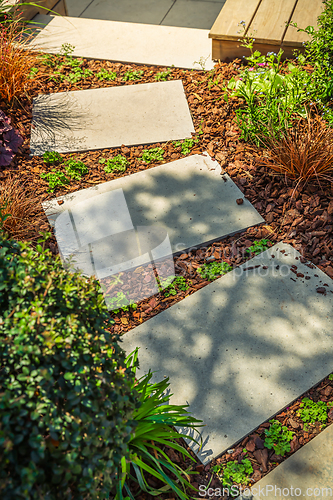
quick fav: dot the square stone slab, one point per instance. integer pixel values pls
(240, 349)
(148, 215)
(109, 117)
(306, 474)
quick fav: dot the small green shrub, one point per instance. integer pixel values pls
(163, 75)
(66, 399)
(312, 412)
(55, 179)
(278, 438)
(76, 169)
(212, 270)
(156, 420)
(154, 154)
(234, 472)
(118, 163)
(258, 246)
(50, 157)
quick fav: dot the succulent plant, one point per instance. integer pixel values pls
(10, 140)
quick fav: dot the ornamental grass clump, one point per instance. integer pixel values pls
(16, 62)
(20, 209)
(303, 154)
(67, 398)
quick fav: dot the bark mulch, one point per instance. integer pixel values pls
(302, 218)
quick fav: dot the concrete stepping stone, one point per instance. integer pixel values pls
(148, 215)
(307, 473)
(109, 117)
(243, 347)
(125, 42)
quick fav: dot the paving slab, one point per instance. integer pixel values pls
(109, 117)
(125, 42)
(242, 348)
(193, 14)
(307, 473)
(148, 215)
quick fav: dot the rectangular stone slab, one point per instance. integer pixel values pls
(243, 347)
(109, 117)
(186, 202)
(309, 472)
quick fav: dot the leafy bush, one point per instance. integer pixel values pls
(258, 246)
(55, 179)
(186, 145)
(76, 169)
(278, 437)
(153, 154)
(51, 157)
(120, 302)
(10, 140)
(66, 396)
(118, 163)
(171, 284)
(156, 419)
(132, 75)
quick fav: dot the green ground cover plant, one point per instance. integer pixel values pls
(171, 285)
(156, 420)
(311, 412)
(121, 302)
(154, 154)
(51, 157)
(212, 270)
(76, 169)
(258, 246)
(55, 178)
(67, 398)
(132, 75)
(163, 76)
(107, 75)
(186, 145)
(278, 438)
(118, 163)
(234, 472)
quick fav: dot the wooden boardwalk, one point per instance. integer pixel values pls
(267, 22)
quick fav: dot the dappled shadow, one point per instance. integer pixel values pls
(241, 348)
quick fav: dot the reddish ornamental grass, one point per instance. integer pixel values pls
(304, 154)
(16, 61)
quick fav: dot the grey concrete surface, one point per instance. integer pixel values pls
(193, 14)
(109, 117)
(308, 473)
(125, 42)
(150, 214)
(243, 347)
(150, 11)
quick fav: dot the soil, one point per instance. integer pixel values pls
(300, 217)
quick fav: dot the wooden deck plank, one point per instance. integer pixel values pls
(226, 26)
(305, 14)
(269, 23)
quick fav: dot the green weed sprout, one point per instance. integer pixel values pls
(120, 303)
(186, 145)
(278, 438)
(171, 284)
(212, 270)
(118, 163)
(155, 154)
(258, 246)
(75, 169)
(312, 412)
(163, 75)
(132, 75)
(104, 74)
(55, 179)
(52, 157)
(234, 472)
